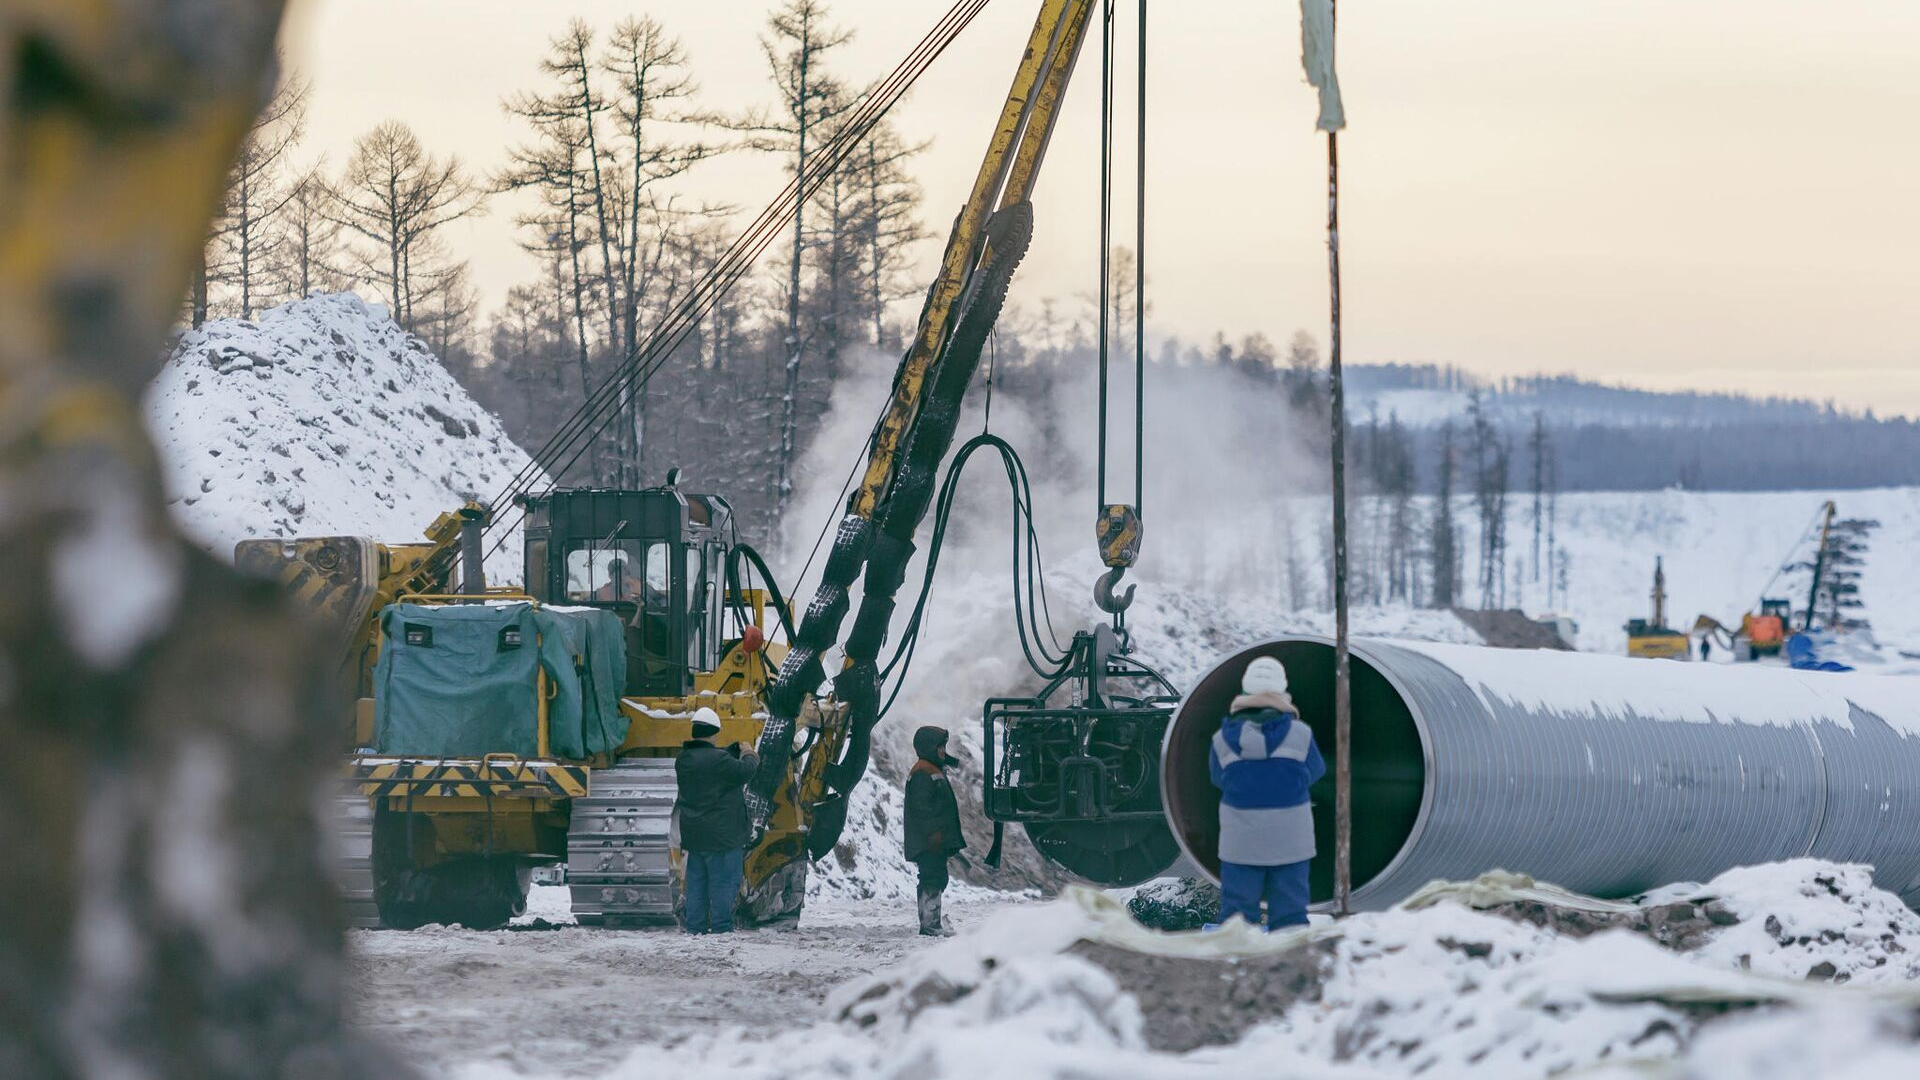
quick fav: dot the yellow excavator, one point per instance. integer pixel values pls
(487, 739)
(477, 750)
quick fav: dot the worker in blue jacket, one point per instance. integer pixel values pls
(1263, 760)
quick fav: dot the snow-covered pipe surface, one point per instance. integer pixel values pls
(1603, 774)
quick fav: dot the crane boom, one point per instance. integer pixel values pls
(877, 534)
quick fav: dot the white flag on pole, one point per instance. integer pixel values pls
(1316, 55)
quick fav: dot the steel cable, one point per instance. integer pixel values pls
(576, 435)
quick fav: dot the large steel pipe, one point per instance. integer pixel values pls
(1604, 774)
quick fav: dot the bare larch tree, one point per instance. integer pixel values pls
(393, 196)
(797, 45)
(245, 245)
(308, 240)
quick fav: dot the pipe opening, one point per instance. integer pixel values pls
(1389, 763)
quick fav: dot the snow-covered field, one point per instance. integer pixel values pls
(576, 1002)
(1719, 549)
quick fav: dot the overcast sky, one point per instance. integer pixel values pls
(1721, 194)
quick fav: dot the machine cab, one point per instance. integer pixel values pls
(657, 558)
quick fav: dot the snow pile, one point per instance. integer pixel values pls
(1807, 919)
(1826, 1042)
(321, 417)
(1076, 988)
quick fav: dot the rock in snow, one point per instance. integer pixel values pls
(321, 417)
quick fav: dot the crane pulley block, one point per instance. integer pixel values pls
(1118, 533)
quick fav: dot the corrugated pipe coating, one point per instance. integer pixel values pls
(1603, 774)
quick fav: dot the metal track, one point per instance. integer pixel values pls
(618, 865)
(353, 849)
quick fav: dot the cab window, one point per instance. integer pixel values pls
(605, 572)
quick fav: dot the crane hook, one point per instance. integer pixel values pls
(1103, 592)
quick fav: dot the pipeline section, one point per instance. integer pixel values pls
(1606, 775)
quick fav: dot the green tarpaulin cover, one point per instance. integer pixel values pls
(585, 650)
(459, 680)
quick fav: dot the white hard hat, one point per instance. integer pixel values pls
(1264, 675)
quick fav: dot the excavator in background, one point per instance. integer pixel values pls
(1765, 628)
(1762, 632)
(1652, 638)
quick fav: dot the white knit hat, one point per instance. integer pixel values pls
(1264, 676)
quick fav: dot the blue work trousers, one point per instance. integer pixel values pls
(1284, 888)
(713, 883)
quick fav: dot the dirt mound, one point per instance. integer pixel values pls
(1187, 1004)
(1511, 629)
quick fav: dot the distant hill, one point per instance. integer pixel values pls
(1425, 395)
(1614, 438)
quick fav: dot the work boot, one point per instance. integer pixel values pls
(930, 922)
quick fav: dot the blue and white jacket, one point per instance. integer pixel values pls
(1263, 760)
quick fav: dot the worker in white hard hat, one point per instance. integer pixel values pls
(1263, 760)
(714, 828)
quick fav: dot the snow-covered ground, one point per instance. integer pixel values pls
(1498, 978)
(575, 1002)
(321, 417)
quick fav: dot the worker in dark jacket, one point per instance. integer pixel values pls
(1263, 759)
(933, 823)
(711, 812)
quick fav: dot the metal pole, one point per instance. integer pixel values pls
(1342, 683)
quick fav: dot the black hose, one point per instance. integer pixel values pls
(1048, 664)
(642, 360)
(780, 608)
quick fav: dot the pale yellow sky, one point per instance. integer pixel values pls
(1721, 194)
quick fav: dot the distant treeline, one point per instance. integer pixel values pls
(1615, 438)
(1820, 453)
(1599, 437)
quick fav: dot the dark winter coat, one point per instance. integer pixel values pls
(932, 825)
(712, 802)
